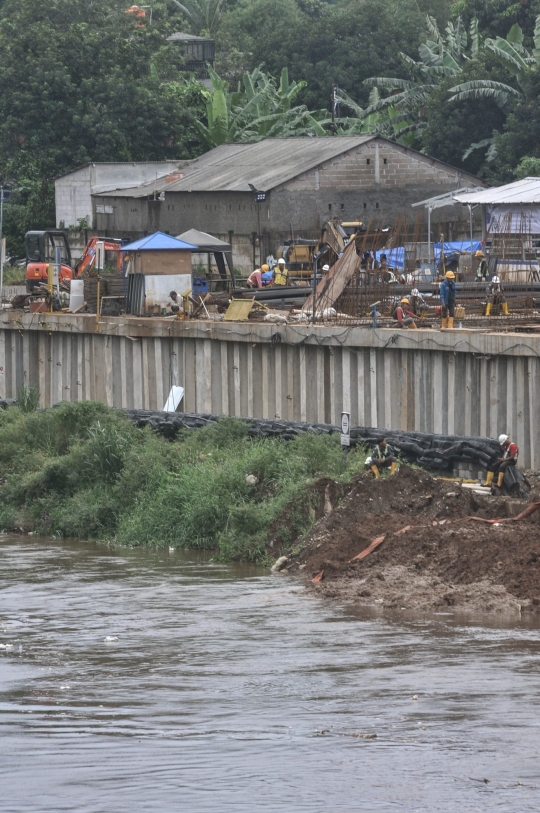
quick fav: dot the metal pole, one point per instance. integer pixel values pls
(314, 287)
(429, 234)
(259, 225)
(471, 231)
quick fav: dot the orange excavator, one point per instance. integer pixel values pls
(40, 253)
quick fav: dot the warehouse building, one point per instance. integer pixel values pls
(257, 195)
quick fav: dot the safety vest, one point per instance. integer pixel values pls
(280, 275)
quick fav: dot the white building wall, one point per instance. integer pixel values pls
(73, 191)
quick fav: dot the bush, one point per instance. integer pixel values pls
(84, 470)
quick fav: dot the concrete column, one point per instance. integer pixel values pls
(302, 350)
(373, 387)
(360, 368)
(236, 378)
(3, 392)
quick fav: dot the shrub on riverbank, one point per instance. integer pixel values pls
(85, 471)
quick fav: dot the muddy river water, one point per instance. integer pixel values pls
(156, 681)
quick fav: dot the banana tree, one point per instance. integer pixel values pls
(257, 109)
(398, 107)
(516, 59)
(520, 63)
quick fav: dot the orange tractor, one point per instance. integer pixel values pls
(40, 254)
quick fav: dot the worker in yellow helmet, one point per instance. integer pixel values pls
(281, 274)
(403, 314)
(447, 298)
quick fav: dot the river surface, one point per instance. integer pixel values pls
(226, 689)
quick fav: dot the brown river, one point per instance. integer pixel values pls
(141, 680)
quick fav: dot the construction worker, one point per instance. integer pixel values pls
(173, 303)
(404, 315)
(482, 269)
(447, 298)
(255, 280)
(417, 303)
(496, 296)
(508, 457)
(383, 457)
(281, 274)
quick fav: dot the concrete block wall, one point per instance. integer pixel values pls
(457, 383)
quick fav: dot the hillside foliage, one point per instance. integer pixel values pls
(83, 80)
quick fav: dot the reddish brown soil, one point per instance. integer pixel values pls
(446, 559)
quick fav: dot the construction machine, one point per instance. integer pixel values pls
(88, 259)
(40, 250)
(40, 253)
(335, 236)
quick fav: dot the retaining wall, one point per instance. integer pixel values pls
(456, 383)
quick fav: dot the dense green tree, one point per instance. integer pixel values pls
(345, 42)
(496, 17)
(519, 137)
(81, 80)
(451, 129)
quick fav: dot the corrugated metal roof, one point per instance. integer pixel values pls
(203, 240)
(446, 199)
(265, 164)
(159, 241)
(526, 191)
(181, 36)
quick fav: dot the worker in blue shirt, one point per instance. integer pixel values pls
(447, 298)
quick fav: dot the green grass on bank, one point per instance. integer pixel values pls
(85, 471)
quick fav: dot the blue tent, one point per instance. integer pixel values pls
(159, 242)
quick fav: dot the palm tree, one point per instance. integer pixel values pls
(204, 15)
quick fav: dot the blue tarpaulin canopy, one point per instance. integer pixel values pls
(463, 246)
(395, 257)
(159, 242)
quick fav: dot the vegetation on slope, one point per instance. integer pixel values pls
(85, 471)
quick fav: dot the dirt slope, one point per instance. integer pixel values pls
(445, 559)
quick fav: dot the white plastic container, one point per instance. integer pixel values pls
(76, 295)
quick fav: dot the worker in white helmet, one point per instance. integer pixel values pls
(326, 268)
(496, 296)
(417, 303)
(508, 457)
(281, 274)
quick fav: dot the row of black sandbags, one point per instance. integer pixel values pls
(437, 452)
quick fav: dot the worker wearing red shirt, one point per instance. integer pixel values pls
(509, 456)
(404, 315)
(255, 280)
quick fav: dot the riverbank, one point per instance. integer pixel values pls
(437, 552)
(86, 471)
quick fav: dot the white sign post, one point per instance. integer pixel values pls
(346, 431)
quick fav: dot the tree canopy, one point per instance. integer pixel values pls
(88, 80)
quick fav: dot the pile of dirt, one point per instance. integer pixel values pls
(436, 553)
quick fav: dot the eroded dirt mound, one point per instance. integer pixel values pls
(443, 558)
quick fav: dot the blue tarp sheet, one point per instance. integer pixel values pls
(158, 242)
(395, 256)
(457, 245)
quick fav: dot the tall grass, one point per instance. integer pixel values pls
(83, 470)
